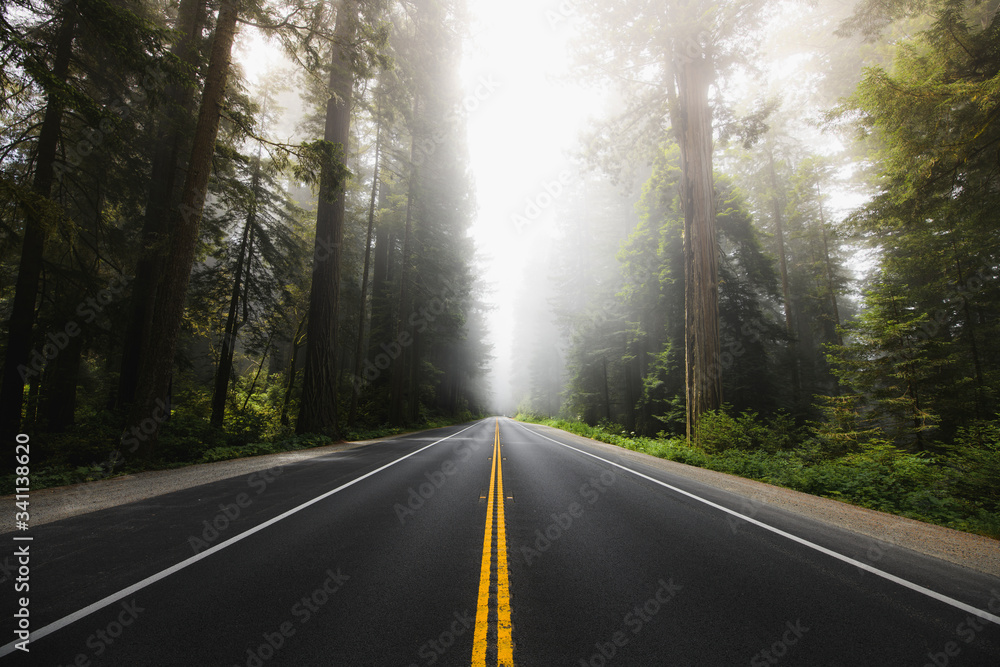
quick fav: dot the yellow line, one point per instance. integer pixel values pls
(505, 645)
(483, 606)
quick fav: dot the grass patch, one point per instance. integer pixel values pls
(957, 489)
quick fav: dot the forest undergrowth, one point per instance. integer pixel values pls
(953, 486)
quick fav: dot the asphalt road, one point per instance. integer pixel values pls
(391, 554)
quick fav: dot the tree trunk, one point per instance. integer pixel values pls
(413, 402)
(607, 396)
(174, 128)
(225, 367)
(630, 389)
(151, 407)
(829, 273)
(970, 327)
(383, 301)
(260, 367)
(359, 351)
(22, 314)
(779, 233)
(318, 410)
(31, 405)
(702, 373)
(396, 415)
(57, 400)
(296, 344)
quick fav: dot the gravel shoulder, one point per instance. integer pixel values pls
(972, 551)
(61, 502)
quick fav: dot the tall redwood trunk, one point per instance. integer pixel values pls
(22, 315)
(396, 414)
(779, 233)
(57, 398)
(831, 288)
(970, 330)
(703, 374)
(151, 407)
(318, 408)
(174, 127)
(359, 351)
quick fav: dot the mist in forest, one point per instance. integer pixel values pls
(381, 215)
(851, 274)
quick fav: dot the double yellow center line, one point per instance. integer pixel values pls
(505, 647)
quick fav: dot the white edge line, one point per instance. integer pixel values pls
(864, 566)
(152, 579)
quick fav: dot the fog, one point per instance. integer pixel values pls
(630, 211)
(550, 219)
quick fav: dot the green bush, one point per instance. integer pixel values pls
(292, 443)
(185, 437)
(958, 489)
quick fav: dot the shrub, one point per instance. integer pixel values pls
(958, 490)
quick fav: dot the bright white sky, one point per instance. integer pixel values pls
(520, 138)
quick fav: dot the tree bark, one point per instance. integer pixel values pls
(829, 273)
(22, 314)
(57, 398)
(607, 396)
(779, 233)
(292, 370)
(151, 407)
(174, 128)
(359, 351)
(413, 402)
(703, 375)
(318, 409)
(970, 326)
(396, 415)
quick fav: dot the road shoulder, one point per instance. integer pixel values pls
(975, 552)
(61, 502)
